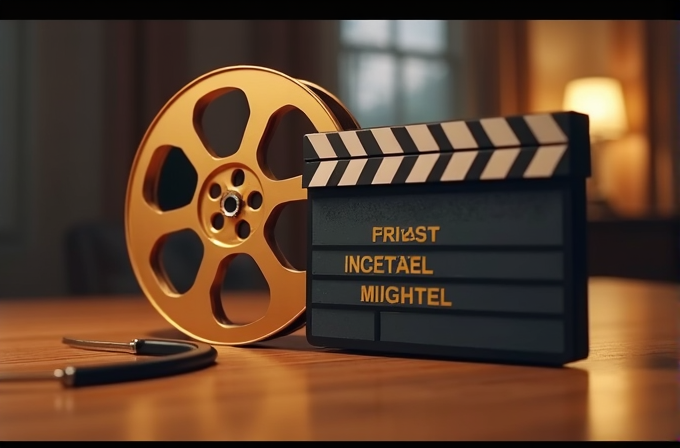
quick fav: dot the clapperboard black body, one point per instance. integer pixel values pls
(463, 239)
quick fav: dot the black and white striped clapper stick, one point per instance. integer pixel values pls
(535, 146)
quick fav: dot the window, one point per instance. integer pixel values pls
(399, 71)
(9, 123)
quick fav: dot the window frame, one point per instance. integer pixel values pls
(452, 56)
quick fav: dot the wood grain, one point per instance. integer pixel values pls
(288, 390)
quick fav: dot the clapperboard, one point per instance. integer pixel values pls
(463, 239)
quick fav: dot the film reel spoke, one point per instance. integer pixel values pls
(280, 192)
(255, 135)
(188, 140)
(284, 281)
(200, 298)
(270, 264)
(279, 276)
(165, 222)
(157, 224)
(208, 278)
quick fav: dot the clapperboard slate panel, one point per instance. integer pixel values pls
(463, 239)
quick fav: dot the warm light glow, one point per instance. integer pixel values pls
(602, 100)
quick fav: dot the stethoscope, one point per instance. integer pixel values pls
(169, 357)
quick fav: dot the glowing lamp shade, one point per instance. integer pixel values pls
(602, 100)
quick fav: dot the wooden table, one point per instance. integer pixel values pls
(286, 389)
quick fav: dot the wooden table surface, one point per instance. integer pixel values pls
(286, 389)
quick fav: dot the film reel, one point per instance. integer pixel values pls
(270, 95)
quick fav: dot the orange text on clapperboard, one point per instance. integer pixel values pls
(398, 264)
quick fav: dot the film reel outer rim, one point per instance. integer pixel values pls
(348, 122)
(298, 319)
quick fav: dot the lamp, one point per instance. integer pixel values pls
(600, 98)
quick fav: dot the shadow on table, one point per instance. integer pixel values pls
(296, 342)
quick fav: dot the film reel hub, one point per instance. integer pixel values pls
(227, 216)
(235, 205)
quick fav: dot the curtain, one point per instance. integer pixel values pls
(149, 61)
(497, 76)
(661, 51)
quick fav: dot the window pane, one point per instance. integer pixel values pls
(427, 95)
(421, 35)
(369, 90)
(373, 33)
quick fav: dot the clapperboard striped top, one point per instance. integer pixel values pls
(533, 146)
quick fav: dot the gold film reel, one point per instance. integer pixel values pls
(270, 95)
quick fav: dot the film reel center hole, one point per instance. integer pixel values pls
(238, 178)
(215, 191)
(243, 229)
(217, 221)
(255, 200)
(230, 204)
